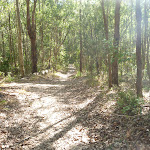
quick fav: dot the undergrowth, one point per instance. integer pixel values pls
(9, 78)
(92, 81)
(128, 103)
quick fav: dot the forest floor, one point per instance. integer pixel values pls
(64, 113)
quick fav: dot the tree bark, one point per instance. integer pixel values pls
(80, 39)
(105, 18)
(21, 60)
(3, 46)
(42, 34)
(32, 34)
(147, 58)
(145, 36)
(10, 41)
(116, 44)
(138, 50)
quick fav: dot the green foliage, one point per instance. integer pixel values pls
(1, 74)
(4, 66)
(128, 103)
(2, 102)
(78, 74)
(9, 78)
(15, 71)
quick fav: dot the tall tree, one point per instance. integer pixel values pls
(105, 18)
(3, 46)
(116, 44)
(146, 40)
(147, 58)
(10, 39)
(138, 50)
(21, 60)
(31, 27)
(80, 38)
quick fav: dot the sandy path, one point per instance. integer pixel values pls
(45, 114)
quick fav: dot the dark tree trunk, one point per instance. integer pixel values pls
(34, 55)
(3, 46)
(32, 34)
(116, 44)
(138, 50)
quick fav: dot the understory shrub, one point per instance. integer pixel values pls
(4, 66)
(92, 81)
(9, 78)
(128, 103)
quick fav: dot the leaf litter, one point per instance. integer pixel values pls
(66, 114)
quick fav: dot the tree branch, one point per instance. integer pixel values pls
(33, 13)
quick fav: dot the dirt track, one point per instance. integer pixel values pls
(62, 114)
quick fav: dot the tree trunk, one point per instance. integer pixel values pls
(10, 44)
(147, 58)
(138, 50)
(3, 46)
(33, 55)
(41, 34)
(32, 34)
(21, 61)
(80, 40)
(145, 36)
(116, 44)
(14, 53)
(105, 18)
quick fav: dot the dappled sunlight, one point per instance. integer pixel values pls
(75, 136)
(60, 114)
(74, 75)
(48, 101)
(43, 102)
(26, 85)
(84, 103)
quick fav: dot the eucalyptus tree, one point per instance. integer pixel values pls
(146, 38)
(116, 44)
(31, 27)
(105, 18)
(81, 47)
(21, 60)
(138, 49)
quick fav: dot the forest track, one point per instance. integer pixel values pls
(63, 113)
